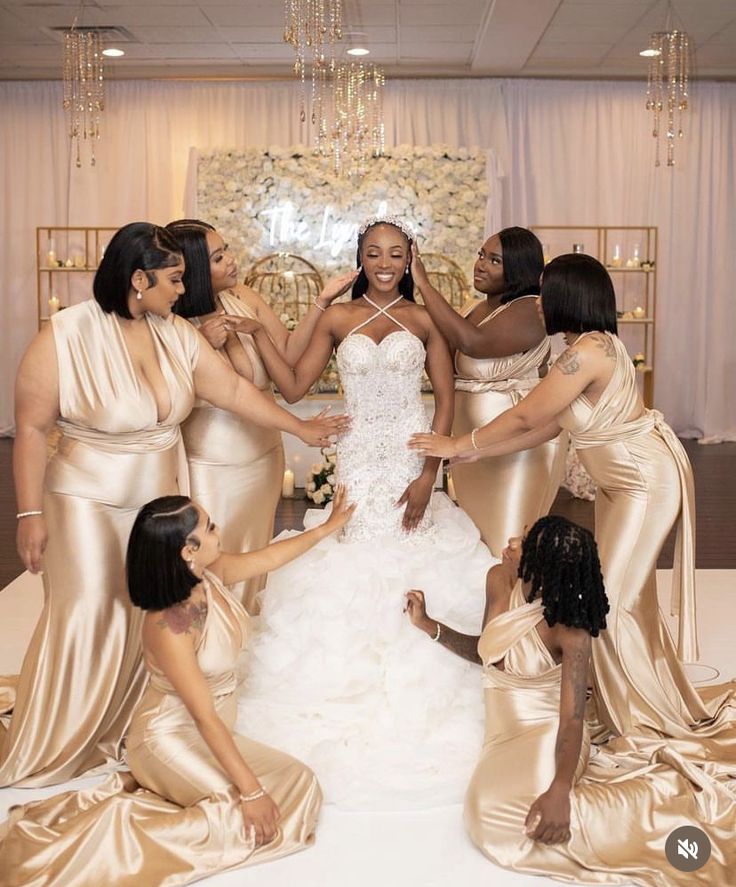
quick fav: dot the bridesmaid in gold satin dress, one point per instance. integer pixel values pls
(645, 487)
(199, 798)
(118, 374)
(539, 801)
(236, 467)
(501, 352)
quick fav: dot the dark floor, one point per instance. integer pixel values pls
(715, 494)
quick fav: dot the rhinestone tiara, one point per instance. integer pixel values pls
(397, 222)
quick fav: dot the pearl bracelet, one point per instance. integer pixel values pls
(317, 304)
(27, 514)
(437, 633)
(472, 439)
(254, 796)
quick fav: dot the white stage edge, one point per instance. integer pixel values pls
(412, 849)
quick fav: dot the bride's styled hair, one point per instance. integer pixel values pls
(406, 284)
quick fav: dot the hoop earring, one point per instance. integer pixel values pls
(139, 295)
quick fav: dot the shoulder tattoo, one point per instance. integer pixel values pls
(182, 617)
(568, 362)
(604, 342)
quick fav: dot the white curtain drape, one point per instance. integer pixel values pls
(570, 153)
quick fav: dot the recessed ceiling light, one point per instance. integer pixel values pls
(358, 50)
(113, 53)
(650, 53)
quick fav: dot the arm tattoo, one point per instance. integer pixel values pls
(568, 362)
(464, 645)
(603, 341)
(579, 675)
(181, 617)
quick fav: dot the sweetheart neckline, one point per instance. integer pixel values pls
(378, 344)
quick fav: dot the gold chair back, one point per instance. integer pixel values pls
(447, 277)
(289, 283)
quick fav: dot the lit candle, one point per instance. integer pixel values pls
(638, 312)
(53, 304)
(287, 487)
(50, 259)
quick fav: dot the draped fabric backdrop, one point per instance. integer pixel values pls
(567, 152)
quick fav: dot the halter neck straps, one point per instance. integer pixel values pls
(379, 312)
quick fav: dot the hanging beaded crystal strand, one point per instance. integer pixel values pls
(313, 27)
(667, 87)
(357, 132)
(84, 88)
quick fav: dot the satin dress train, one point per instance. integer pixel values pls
(503, 494)
(82, 673)
(236, 468)
(176, 817)
(628, 795)
(645, 487)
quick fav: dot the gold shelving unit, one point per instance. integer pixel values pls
(63, 256)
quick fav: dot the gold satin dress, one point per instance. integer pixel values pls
(236, 468)
(645, 487)
(82, 673)
(628, 795)
(503, 494)
(176, 817)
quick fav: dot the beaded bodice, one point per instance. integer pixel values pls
(382, 384)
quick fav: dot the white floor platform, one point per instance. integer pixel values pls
(418, 849)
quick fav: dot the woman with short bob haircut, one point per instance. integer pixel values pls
(236, 467)
(501, 351)
(541, 800)
(645, 487)
(117, 374)
(199, 798)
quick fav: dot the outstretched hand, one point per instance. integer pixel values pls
(430, 444)
(321, 431)
(246, 325)
(337, 287)
(342, 510)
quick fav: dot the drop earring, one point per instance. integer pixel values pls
(139, 295)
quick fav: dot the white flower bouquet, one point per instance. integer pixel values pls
(322, 482)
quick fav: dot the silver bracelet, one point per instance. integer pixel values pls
(438, 632)
(472, 439)
(317, 304)
(27, 514)
(254, 796)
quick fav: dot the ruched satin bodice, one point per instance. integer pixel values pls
(503, 494)
(383, 397)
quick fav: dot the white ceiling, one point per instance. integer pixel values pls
(411, 38)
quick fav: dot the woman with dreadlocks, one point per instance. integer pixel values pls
(539, 801)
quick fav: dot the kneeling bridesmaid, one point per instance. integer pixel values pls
(199, 798)
(541, 800)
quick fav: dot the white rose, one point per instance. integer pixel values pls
(326, 489)
(318, 498)
(332, 458)
(331, 480)
(311, 487)
(316, 467)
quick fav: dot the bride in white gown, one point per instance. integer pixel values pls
(337, 677)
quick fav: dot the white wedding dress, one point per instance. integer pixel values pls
(337, 674)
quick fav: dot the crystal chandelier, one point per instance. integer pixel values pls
(667, 87)
(346, 97)
(84, 88)
(357, 131)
